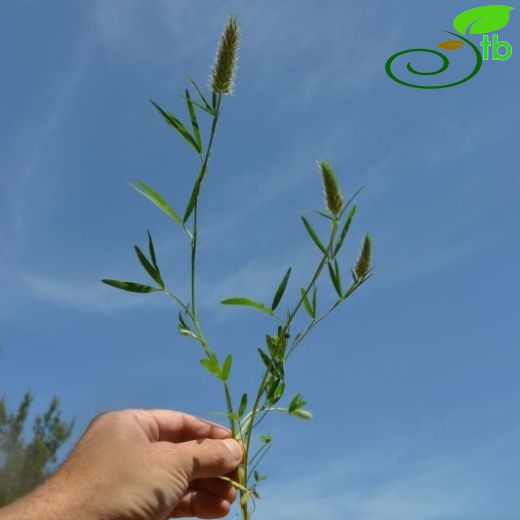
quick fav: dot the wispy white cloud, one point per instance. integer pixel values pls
(388, 486)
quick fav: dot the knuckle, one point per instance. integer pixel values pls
(100, 417)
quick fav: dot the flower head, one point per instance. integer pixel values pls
(224, 68)
(333, 196)
(363, 262)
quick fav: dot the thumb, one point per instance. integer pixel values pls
(206, 458)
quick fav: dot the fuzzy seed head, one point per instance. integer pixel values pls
(363, 262)
(224, 68)
(333, 196)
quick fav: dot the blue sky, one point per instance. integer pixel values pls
(414, 381)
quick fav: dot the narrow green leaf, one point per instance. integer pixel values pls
(151, 250)
(182, 323)
(296, 402)
(344, 230)
(321, 213)
(212, 365)
(192, 201)
(199, 92)
(276, 391)
(131, 286)
(281, 290)
(335, 282)
(306, 303)
(314, 235)
(302, 414)
(187, 332)
(248, 303)
(175, 123)
(150, 269)
(242, 406)
(337, 272)
(194, 122)
(147, 192)
(276, 368)
(314, 302)
(195, 193)
(226, 367)
(198, 105)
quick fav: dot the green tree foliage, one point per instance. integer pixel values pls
(23, 466)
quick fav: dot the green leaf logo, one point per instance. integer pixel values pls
(484, 19)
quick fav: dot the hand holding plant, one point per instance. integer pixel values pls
(246, 413)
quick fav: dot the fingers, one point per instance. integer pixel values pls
(216, 487)
(172, 426)
(206, 458)
(202, 505)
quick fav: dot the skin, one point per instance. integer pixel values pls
(139, 465)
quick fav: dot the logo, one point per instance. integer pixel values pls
(480, 20)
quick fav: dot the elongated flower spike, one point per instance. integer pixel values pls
(363, 262)
(333, 196)
(224, 68)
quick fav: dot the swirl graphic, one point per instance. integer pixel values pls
(445, 64)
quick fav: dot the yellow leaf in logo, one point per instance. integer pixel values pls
(451, 45)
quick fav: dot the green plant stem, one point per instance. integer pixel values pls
(194, 232)
(259, 393)
(194, 314)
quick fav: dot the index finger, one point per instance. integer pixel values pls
(174, 426)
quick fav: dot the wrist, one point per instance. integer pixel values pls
(49, 501)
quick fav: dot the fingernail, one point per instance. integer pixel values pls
(234, 448)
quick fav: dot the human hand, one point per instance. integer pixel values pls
(146, 465)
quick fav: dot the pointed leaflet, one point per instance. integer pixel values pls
(194, 193)
(197, 104)
(281, 290)
(175, 123)
(296, 402)
(199, 92)
(188, 333)
(152, 252)
(131, 286)
(242, 406)
(150, 269)
(344, 231)
(212, 365)
(274, 367)
(314, 235)
(147, 192)
(182, 323)
(314, 293)
(248, 303)
(302, 414)
(483, 19)
(307, 304)
(226, 367)
(194, 122)
(275, 390)
(334, 276)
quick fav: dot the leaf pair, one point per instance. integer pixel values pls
(296, 408)
(212, 364)
(310, 307)
(194, 140)
(274, 366)
(248, 302)
(150, 267)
